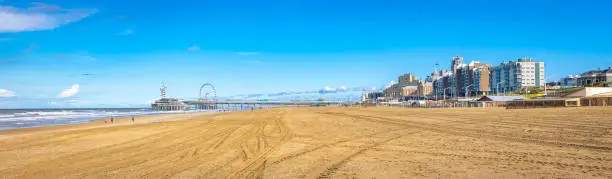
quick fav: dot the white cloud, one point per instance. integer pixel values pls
(69, 92)
(6, 93)
(327, 89)
(126, 32)
(38, 17)
(193, 48)
(391, 83)
(248, 53)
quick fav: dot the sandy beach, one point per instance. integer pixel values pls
(373, 142)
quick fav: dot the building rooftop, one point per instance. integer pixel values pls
(410, 87)
(501, 98)
(598, 71)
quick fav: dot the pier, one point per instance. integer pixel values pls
(250, 105)
(207, 101)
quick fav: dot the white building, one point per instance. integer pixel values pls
(590, 92)
(570, 81)
(444, 80)
(364, 97)
(513, 75)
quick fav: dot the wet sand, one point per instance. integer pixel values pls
(106, 122)
(323, 143)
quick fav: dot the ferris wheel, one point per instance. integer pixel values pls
(210, 94)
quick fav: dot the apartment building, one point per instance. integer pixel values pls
(396, 91)
(513, 75)
(465, 78)
(593, 77)
(455, 63)
(569, 81)
(441, 82)
(425, 89)
(480, 80)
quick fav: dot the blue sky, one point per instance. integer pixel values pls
(118, 52)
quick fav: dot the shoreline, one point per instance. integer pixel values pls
(85, 119)
(103, 122)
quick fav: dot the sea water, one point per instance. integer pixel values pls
(23, 118)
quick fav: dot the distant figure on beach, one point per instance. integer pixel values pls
(132, 118)
(112, 120)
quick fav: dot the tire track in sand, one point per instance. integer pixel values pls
(331, 170)
(544, 122)
(500, 159)
(237, 148)
(319, 147)
(91, 160)
(480, 133)
(256, 165)
(222, 146)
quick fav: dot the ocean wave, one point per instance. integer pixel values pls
(70, 115)
(34, 118)
(7, 116)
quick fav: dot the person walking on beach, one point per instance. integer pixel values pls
(132, 118)
(112, 120)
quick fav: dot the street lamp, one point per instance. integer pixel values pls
(497, 89)
(445, 93)
(436, 93)
(467, 90)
